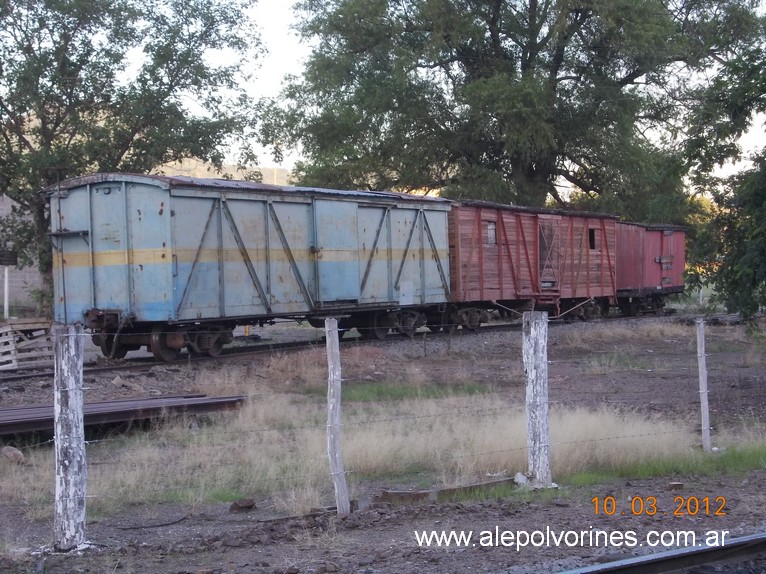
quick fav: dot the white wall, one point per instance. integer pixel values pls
(21, 281)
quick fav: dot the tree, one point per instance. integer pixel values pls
(734, 253)
(111, 85)
(739, 270)
(502, 99)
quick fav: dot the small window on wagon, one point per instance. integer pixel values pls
(593, 238)
(491, 238)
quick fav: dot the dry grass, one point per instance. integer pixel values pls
(754, 356)
(599, 335)
(747, 433)
(276, 449)
(303, 368)
(30, 485)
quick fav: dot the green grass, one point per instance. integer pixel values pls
(724, 347)
(615, 362)
(732, 461)
(226, 495)
(385, 391)
(735, 460)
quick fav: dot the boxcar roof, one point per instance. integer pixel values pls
(175, 181)
(657, 226)
(545, 210)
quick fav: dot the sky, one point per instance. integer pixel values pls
(285, 56)
(285, 52)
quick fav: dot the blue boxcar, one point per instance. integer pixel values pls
(178, 262)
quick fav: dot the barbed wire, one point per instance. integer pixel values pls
(509, 397)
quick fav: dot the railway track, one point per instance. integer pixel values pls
(145, 363)
(247, 350)
(681, 559)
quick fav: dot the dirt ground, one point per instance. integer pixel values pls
(589, 365)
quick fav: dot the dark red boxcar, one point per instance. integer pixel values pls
(514, 256)
(650, 265)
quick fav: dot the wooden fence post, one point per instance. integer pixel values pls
(535, 352)
(69, 429)
(337, 471)
(702, 369)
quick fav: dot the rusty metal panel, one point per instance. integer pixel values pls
(630, 257)
(665, 257)
(674, 255)
(549, 247)
(508, 253)
(651, 259)
(588, 257)
(653, 271)
(495, 254)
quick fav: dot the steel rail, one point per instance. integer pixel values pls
(138, 363)
(672, 560)
(19, 420)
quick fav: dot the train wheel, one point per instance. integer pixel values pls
(380, 325)
(215, 347)
(408, 322)
(118, 352)
(193, 352)
(159, 346)
(474, 321)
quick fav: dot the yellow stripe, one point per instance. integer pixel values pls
(161, 256)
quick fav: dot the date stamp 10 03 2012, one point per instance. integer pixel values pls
(649, 506)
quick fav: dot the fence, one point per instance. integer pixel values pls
(71, 469)
(25, 344)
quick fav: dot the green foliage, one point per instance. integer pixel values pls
(726, 111)
(739, 272)
(504, 101)
(731, 251)
(112, 85)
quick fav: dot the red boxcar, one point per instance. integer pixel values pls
(650, 265)
(518, 257)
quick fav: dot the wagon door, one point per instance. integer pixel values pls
(337, 252)
(548, 254)
(668, 274)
